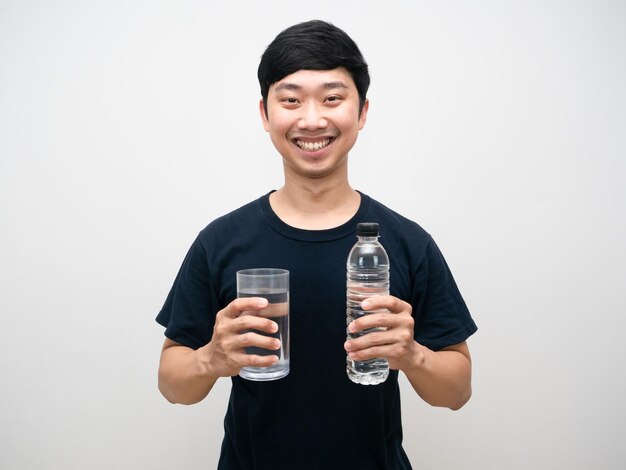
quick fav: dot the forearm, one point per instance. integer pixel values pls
(442, 378)
(182, 376)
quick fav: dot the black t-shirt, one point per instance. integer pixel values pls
(314, 418)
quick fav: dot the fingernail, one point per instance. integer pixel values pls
(365, 304)
(274, 327)
(347, 346)
(351, 327)
(262, 302)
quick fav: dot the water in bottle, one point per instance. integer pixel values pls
(367, 275)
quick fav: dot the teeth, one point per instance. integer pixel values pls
(311, 146)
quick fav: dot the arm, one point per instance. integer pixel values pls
(182, 377)
(187, 376)
(441, 378)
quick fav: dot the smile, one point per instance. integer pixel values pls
(313, 146)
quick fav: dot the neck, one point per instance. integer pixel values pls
(315, 205)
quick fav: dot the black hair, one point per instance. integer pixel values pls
(312, 45)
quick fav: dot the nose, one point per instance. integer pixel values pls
(312, 118)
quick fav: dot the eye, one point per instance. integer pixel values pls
(290, 101)
(333, 99)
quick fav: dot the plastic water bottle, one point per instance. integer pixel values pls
(368, 275)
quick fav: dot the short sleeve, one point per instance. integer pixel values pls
(188, 314)
(441, 316)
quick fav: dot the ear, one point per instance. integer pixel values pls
(363, 116)
(264, 116)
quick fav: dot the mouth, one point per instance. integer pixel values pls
(313, 145)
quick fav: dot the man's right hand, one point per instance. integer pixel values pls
(225, 354)
(187, 375)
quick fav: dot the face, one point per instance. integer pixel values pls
(313, 120)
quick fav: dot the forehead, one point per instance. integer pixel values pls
(314, 79)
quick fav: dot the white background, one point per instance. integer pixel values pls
(127, 126)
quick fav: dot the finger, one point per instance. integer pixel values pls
(374, 320)
(253, 339)
(395, 353)
(389, 302)
(374, 352)
(384, 320)
(257, 361)
(238, 306)
(241, 359)
(375, 338)
(250, 322)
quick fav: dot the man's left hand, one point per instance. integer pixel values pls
(395, 342)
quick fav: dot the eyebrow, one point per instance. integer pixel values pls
(295, 87)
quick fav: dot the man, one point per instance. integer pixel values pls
(314, 82)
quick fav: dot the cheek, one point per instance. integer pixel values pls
(278, 139)
(348, 119)
(277, 126)
(350, 125)
(274, 138)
